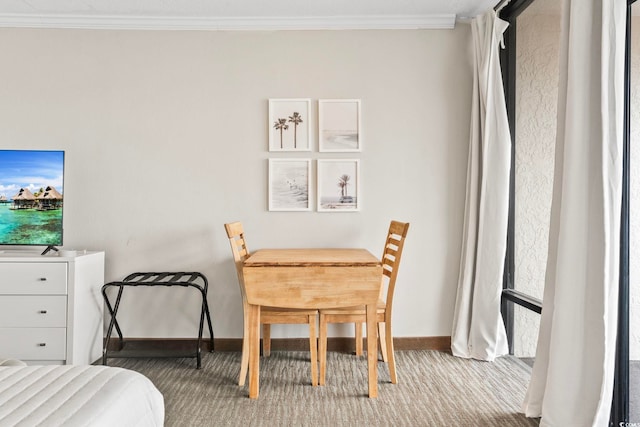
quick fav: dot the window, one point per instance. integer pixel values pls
(525, 118)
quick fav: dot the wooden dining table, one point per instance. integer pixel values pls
(311, 278)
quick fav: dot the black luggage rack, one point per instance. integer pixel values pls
(185, 279)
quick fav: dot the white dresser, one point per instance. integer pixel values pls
(51, 308)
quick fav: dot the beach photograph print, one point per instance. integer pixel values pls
(289, 127)
(338, 185)
(31, 197)
(289, 184)
(339, 125)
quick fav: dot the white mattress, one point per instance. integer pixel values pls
(78, 396)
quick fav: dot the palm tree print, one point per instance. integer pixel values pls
(343, 183)
(281, 125)
(296, 119)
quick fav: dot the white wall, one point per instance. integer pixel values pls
(166, 140)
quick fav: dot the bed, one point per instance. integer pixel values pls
(77, 396)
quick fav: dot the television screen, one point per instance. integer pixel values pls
(31, 197)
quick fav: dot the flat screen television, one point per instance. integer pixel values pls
(31, 198)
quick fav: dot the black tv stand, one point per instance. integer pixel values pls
(49, 248)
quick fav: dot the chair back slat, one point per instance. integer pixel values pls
(388, 266)
(241, 250)
(391, 251)
(235, 233)
(391, 257)
(394, 242)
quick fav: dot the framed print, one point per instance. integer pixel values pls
(289, 184)
(289, 127)
(338, 185)
(339, 125)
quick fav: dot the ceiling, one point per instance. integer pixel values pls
(239, 14)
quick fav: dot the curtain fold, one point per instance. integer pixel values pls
(478, 330)
(572, 377)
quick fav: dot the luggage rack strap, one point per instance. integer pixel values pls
(165, 278)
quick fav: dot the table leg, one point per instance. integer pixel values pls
(372, 350)
(322, 348)
(254, 351)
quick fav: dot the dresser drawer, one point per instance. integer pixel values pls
(33, 311)
(33, 343)
(44, 278)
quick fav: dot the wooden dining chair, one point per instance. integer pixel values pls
(390, 261)
(268, 315)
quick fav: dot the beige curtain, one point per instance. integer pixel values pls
(572, 378)
(478, 329)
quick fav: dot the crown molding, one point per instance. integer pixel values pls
(368, 22)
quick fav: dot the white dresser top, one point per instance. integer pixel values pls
(17, 255)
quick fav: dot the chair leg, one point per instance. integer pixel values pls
(322, 348)
(358, 334)
(244, 361)
(390, 353)
(313, 348)
(383, 341)
(266, 340)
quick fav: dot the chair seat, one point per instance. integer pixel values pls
(281, 315)
(288, 311)
(353, 311)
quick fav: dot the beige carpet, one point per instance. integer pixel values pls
(434, 389)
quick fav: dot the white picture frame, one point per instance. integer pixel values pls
(339, 125)
(338, 185)
(290, 124)
(290, 185)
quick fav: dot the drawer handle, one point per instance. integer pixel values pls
(42, 311)
(42, 344)
(42, 279)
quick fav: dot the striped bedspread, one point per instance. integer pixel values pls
(78, 396)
